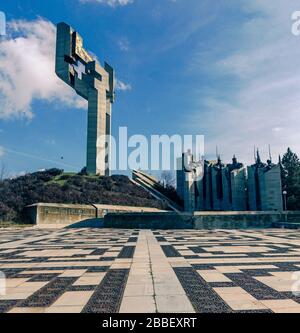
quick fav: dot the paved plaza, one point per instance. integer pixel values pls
(109, 271)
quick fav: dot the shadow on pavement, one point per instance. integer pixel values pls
(90, 223)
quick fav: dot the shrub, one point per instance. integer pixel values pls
(42, 186)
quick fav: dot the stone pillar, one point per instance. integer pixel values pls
(271, 189)
(252, 195)
(189, 183)
(208, 188)
(226, 202)
(185, 182)
(217, 201)
(238, 190)
(99, 124)
(189, 193)
(200, 202)
(265, 188)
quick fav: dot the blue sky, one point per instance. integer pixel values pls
(227, 69)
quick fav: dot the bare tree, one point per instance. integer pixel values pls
(3, 171)
(167, 178)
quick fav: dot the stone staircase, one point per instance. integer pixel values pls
(149, 184)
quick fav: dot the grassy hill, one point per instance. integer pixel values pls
(55, 186)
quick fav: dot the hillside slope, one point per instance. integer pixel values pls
(54, 186)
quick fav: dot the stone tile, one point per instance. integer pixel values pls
(37, 272)
(121, 265)
(174, 304)
(15, 296)
(227, 269)
(168, 289)
(140, 271)
(288, 276)
(71, 298)
(213, 276)
(244, 305)
(64, 309)
(180, 264)
(138, 304)
(88, 280)
(27, 310)
(238, 299)
(30, 286)
(282, 306)
(165, 278)
(11, 283)
(139, 290)
(73, 273)
(277, 283)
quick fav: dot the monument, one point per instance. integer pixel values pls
(264, 180)
(80, 70)
(187, 175)
(228, 187)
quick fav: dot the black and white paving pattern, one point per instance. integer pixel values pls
(129, 271)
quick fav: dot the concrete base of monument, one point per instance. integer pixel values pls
(62, 215)
(235, 220)
(154, 220)
(98, 216)
(202, 220)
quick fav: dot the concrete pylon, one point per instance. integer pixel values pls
(80, 70)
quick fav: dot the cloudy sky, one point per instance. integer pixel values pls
(227, 69)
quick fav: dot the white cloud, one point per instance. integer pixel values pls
(112, 3)
(122, 86)
(262, 104)
(27, 70)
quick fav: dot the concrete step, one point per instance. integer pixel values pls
(286, 225)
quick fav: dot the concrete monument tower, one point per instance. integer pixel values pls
(79, 69)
